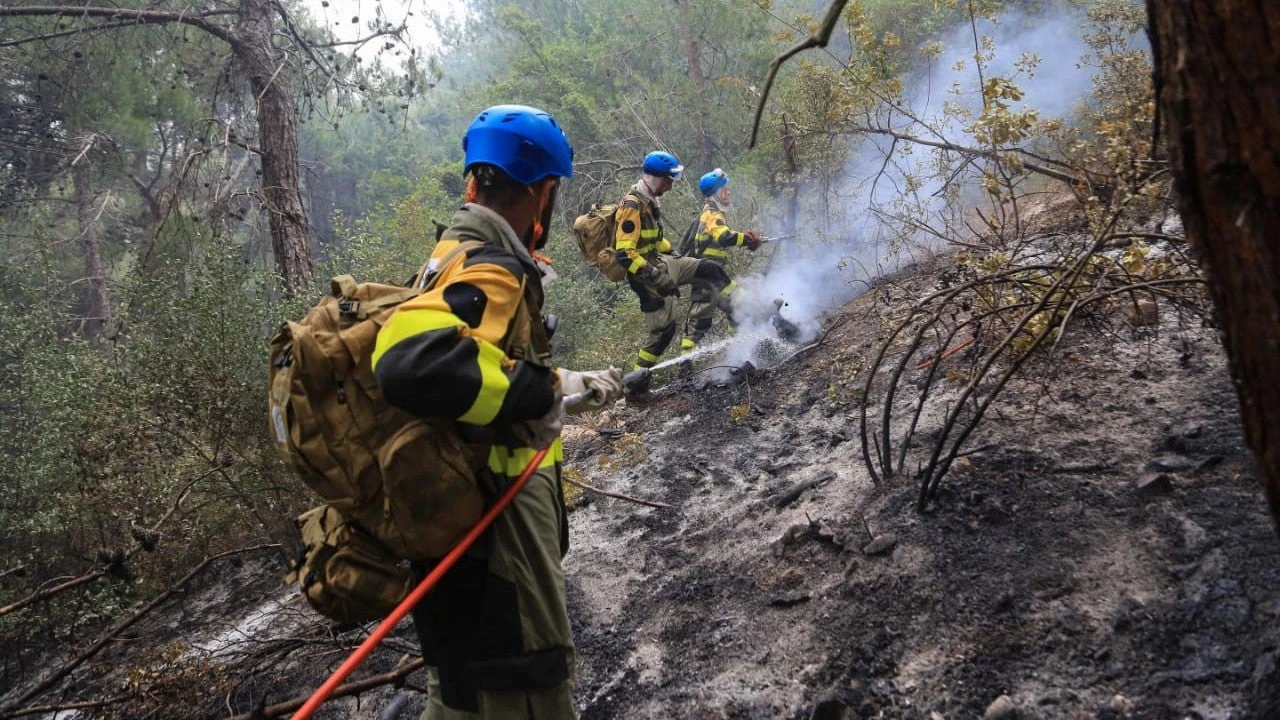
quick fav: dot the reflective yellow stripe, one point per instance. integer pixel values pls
(664, 245)
(687, 344)
(625, 244)
(494, 384)
(649, 233)
(510, 462)
(646, 356)
(636, 265)
(409, 322)
(715, 252)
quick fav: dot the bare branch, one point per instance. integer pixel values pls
(971, 151)
(57, 709)
(102, 642)
(619, 496)
(117, 15)
(102, 572)
(818, 39)
(65, 33)
(351, 688)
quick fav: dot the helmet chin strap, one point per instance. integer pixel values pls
(542, 196)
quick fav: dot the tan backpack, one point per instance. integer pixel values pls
(396, 487)
(595, 232)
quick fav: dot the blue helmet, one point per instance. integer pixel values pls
(663, 164)
(711, 183)
(525, 142)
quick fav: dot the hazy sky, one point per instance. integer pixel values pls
(339, 13)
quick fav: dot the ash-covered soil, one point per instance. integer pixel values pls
(1107, 553)
(1102, 551)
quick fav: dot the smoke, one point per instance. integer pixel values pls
(843, 243)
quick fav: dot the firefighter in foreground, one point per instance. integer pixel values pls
(495, 631)
(711, 241)
(654, 274)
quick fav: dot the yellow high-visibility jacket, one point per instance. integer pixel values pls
(638, 235)
(473, 348)
(714, 235)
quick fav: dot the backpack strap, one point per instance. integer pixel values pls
(429, 275)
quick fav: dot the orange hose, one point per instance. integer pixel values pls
(389, 622)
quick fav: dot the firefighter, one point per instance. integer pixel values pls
(654, 273)
(495, 632)
(710, 243)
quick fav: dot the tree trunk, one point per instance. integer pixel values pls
(706, 145)
(99, 311)
(1218, 78)
(277, 140)
(793, 172)
(153, 210)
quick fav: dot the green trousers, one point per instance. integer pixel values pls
(704, 300)
(660, 312)
(495, 631)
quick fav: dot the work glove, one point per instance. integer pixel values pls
(598, 389)
(753, 240)
(540, 432)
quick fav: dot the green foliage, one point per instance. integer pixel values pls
(106, 433)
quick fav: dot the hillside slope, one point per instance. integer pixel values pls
(1045, 573)
(1103, 551)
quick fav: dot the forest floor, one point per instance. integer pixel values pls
(1106, 553)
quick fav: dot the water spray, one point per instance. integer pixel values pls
(691, 355)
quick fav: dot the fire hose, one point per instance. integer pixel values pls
(415, 596)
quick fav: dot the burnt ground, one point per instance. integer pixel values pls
(1107, 555)
(1104, 552)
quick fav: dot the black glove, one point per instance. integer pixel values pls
(752, 240)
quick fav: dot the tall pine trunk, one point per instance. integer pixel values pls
(277, 140)
(1218, 77)
(98, 314)
(706, 146)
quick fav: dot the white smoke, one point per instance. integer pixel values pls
(843, 245)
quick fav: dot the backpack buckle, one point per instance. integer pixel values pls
(349, 308)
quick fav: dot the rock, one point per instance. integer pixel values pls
(1121, 705)
(1205, 464)
(881, 544)
(792, 535)
(1169, 463)
(1002, 709)
(825, 532)
(789, 600)
(1154, 484)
